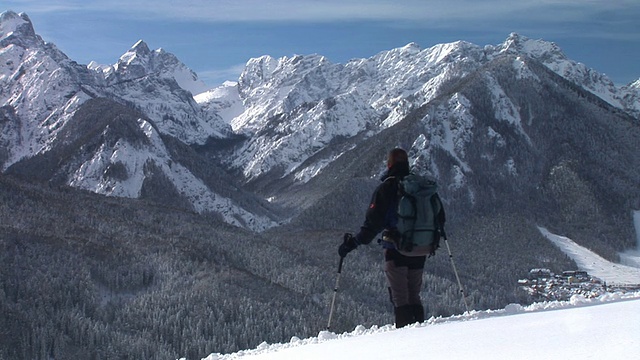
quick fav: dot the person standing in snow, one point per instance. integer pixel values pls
(403, 272)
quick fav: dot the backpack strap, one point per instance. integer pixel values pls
(436, 204)
(406, 242)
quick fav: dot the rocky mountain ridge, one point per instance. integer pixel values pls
(43, 93)
(296, 106)
(280, 126)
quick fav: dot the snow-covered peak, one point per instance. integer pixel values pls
(168, 65)
(99, 67)
(552, 57)
(266, 70)
(631, 97)
(16, 28)
(40, 85)
(140, 61)
(303, 99)
(138, 55)
(538, 49)
(306, 101)
(417, 62)
(163, 87)
(141, 47)
(268, 86)
(11, 22)
(411, 48)
(257, 71)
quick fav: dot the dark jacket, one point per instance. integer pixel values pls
(381, 213)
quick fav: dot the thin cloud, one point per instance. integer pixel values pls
(335, 10)
(42, 6)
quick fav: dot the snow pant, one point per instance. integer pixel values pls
(404, 275)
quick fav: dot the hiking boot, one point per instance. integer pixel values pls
(404, 316)
(418, 312)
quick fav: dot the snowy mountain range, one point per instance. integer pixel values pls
(44, 92)
(291, 116)
(463, 111)
(294, 107)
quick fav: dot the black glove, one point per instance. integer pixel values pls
(348, 245)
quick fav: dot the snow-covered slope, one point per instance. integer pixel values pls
(162, 87)
(223, 100)
(294, 107)
(552, 56)
(42, 88)
(132, 161)
(42, 91)
(593, 263)
(631, 97)
(601, 328)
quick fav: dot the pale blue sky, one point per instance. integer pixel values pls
(215, 38)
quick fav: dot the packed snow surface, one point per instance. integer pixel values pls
(551, 330)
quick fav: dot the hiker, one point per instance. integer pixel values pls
(403, 269)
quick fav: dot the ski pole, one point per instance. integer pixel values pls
(455, 271)
(335, 292)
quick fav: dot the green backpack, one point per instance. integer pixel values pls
(418, 209)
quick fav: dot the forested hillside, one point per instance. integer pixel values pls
(86, 276)
(83, 276)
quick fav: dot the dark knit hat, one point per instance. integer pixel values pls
(395, 156)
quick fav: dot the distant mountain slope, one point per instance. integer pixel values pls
(511, 138)
(293, 108)
(40, 89)
(110, 149)
(108, 129)
(286, 120)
